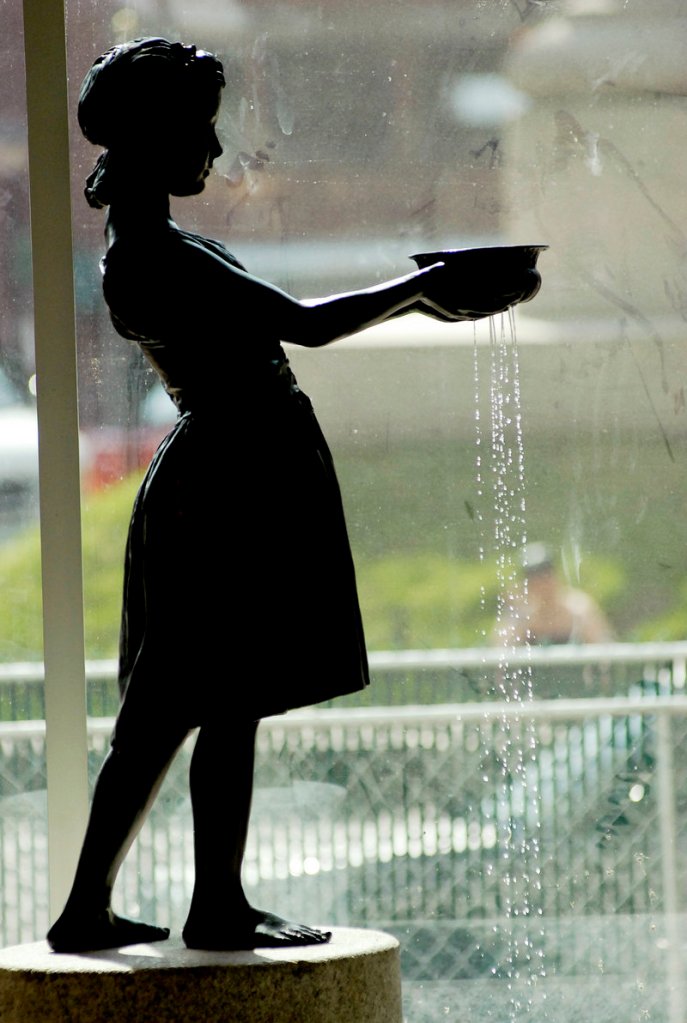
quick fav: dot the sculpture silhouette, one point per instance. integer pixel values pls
(239, 596)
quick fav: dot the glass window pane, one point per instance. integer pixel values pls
(513, 489)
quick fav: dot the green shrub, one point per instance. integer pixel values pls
(416, 539)
(423, 600)
(105, 522)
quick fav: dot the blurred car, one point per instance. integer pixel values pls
(18, 457)
(116, 451)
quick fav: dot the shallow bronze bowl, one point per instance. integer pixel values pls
(496, 276)
(499, 259)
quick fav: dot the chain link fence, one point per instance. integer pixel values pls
(496, 840)
(397, 815)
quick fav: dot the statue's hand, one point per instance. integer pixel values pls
(477, 293)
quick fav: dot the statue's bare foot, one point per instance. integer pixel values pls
(106, 930)
(253, 929)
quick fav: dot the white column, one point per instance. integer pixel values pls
(65, 689)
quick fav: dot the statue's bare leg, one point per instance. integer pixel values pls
(127, 784)
(220, 916)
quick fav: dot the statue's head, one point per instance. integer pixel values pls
(152, 105)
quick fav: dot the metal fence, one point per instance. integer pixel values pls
(403, 677)
(478, 832)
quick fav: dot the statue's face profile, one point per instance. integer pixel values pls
(152, 105)
(193, 147)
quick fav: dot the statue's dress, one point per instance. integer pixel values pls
(239, 591)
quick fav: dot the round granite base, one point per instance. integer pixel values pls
(355, 978)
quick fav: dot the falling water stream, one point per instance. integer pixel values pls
(509, 748)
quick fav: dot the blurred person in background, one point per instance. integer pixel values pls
(549, 612)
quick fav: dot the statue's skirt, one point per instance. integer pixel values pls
(239, 592)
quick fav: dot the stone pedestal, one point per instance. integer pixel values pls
(353, 979)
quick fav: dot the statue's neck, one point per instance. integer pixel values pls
(140, 213)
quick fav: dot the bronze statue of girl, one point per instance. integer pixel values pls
(239, 594)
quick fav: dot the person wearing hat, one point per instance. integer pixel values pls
(551, 612)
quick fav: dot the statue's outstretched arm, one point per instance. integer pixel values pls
(435, 290)
(194, 289)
